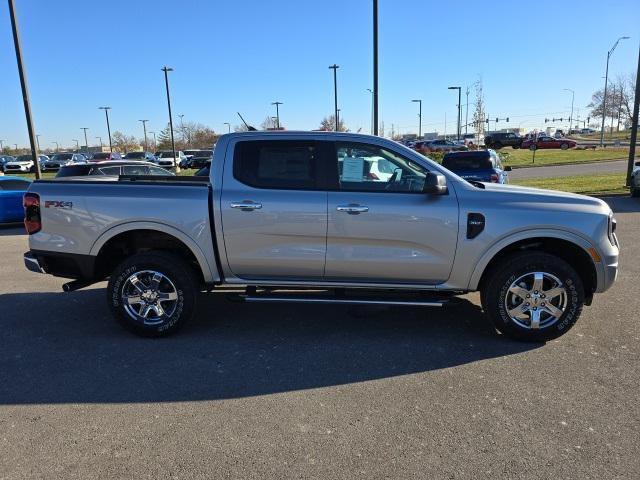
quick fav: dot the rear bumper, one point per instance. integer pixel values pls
(65, 265)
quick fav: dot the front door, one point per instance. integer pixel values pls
(382, 227)
(274, 210)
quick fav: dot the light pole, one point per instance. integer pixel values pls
(106, 113)
(1, 145)
(228, 127)
(277, 104)
(419, 117)
(38, 141)
(573, 94)
(375, 67)
(144, 127)
(166, 70)
(16, 147)
(372, 106)
(100, 138)
(86, 142)
(459, 101)
(25, 91)
(184, 138)
(57, 146)
(77, 144)
(154, 140)
(335, 68)
(606, 80)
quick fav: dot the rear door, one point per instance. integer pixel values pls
(274, 209)
(387, 231)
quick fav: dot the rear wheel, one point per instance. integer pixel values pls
(152, 294)
(564, 146)
(533, 296)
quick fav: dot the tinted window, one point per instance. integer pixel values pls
(135, 170)
(277, 164)
(131, 155)
(359, 170)
(100, 156)
(62, 156)
(24, 158)
(106, 171)
(466, 162)
(159, 171)
(165, 154)
(72, 171)
(14, 184)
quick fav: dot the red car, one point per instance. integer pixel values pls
(548, 142)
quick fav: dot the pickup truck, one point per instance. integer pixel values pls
(298, 217)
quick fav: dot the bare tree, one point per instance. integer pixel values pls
(124, 143)
(329, 124)
(478, 111)
(269, 123)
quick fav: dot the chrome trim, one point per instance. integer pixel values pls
(293, 299)
(246, 205)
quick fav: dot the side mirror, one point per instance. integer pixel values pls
(508, 168)
(435, 184)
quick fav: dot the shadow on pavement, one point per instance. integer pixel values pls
(623, 204)
(11, 229)
(66, 348)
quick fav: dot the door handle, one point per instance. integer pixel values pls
(354, 209)
(247, 205)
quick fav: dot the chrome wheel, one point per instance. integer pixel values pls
(149, 297)
(536, 300)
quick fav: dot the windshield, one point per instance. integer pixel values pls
(466, 162)
(24, 158)
(100, 156)
(62, 156)
(166, 155)
(131, 155)
(204, 153)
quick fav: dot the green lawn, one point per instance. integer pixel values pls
(602, 184)
(524, 158)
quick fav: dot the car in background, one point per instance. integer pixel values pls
(140, 156)
(4, 159)
(203, 172)
(23, 164)
(477, 165)
(60, 159)
(497, 140)
(438, 146)
(546, 142)
(635, 180)
(105, 156)
(587, 131)
(11, 191)
(165, 158)
(112, 168)
(200, 159)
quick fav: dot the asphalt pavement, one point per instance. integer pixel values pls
(618, 166)
(295, 391)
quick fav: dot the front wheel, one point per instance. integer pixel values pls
(533, 296)
(152, 294)
(564, 146)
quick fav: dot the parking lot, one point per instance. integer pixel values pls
(255, 391)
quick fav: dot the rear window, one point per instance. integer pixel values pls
(204, 153)
(72, 171)
(24, 158)
(100, 156)
(466, 162)
(131, 155)
(62, 156)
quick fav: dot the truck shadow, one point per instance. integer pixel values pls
(11, 229)
(623, 204)
(66, 348)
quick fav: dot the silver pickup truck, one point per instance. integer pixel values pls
(324, 217)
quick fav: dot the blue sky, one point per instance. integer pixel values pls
(241, 56)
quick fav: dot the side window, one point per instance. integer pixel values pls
(368, 168)
(135, 170)
(287, 165)
(106, 171)
(14, 185)
(158, 171)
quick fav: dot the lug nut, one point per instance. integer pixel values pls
(542, 304)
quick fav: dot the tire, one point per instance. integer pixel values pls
(564, 146)
(175, 282)
(635, 192)
(519, 272)
(533, 147)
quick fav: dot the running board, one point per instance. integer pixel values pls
(343, 300)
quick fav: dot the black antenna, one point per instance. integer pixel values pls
(249, 127)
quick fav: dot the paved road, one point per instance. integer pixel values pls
(251, 391)
(569, 170)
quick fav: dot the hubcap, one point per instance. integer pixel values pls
(536, 300)
(149, 297)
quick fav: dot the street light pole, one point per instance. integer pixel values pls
(184, 138)
(375, 67)
(371, 92)
(100, 138)
(459, 107)
(573, 94)
(106, 114)
(38, 141)
(144, 127)
(166, 70)
(335, 68)
(606, 81)
(419, 117)
(228, 126)
(634, 125)
(57, 146)
(77, 144)
(154, 140)
(25, 90)
(277, 104)
(86, 142)
(466, 113)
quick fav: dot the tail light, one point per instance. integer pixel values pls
(31, 204)
(494, 178)
(372, 176)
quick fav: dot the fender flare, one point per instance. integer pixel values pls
(209, 272)
(489, 254)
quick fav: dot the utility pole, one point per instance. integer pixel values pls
(144, 127)
(459, 108)
(573, 94)
(77, 144)
(277, 104)
(375, 67)
(335, 68)
(184, 137)
(57, 147)
(86, 142)
(166, 70)
(606, 81)
(419, 117)
(25, 90)
(634, 125)
(106, 114)
(371, 92)
(100, 138)
(154, 140)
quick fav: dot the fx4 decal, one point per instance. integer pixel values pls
(58, 204)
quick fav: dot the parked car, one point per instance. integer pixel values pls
(587, 131)
(200, 159)
(4, 159)
(443, 146)
(546, 142)
(60, 159)
(113, 167)
(165, 158)
(497, 140)
(105, 156)
(478, 165)
(22, 164)
(11, 191)
(635, 180)
(140, 156)
(278, 216)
